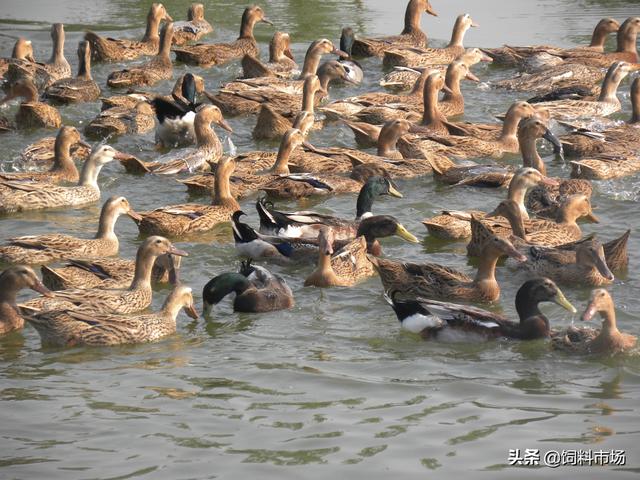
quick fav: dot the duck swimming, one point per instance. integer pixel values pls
(12, 280)
(32, 113)
(194, 28)
(82, 88)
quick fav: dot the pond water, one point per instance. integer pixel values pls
(332, 387)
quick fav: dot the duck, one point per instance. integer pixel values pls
(12, 280)
(19, 196)
(308, 223)
(432, 119)
(605, 166)
(43, 74)
(206, 55)
(106, 273)
(194, 28)
(584, 265)
(73, 327)
(343, 268)
(158, 68)
(32, 113)
(412, 34)
(544, 200)
(39, 249)
(42, 153)
(63, 168)
(257, 290)
(450, 322)
(453, 224)
(420, 57)
(123, 120)
(347, 38)
(179, 220)
(207, 152)
(118, 49)
(281, 62)
(606, 103)
(606, 341)
(431, 280)
(176, 116)
(514, 56)
(133, 299)
(82, 88)
(22, 53)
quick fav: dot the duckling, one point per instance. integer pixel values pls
(450, 322)
(106, 273)
(43, 74)
(177, 220)
(608, 340)
(430, 280)
(70, 328)
(12, 280)
(158, 68)
(586, 265)
(63, 168)
(38, 249)
(606, 104)
(281, 62)
(257, 290)
(135, 298)
(32, 113)
(206, 55)
(20, 196)
(308, 223)
(412, 35)
(343, 268)
(347, 38)
(80, 89)
(115, 50)
(418, 57)
(194, 28)
(122, 120)
(22, 54)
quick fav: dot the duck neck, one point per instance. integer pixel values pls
(308, 99)
(627, 38)
(609, 326)
(412, 17)
(144, 266)
(509, 128)
(222, 190)
(246, 28)
(325, 78)
(8, 291)
(418, 87)
(281, 166)
(485, 277)
(452, 80)
(431, 116)
(165, 46)
(517, 193)
(609, 90)
(84, 65)
(567, 217)
(598, 38)
(172, 305)
(311, 64)
(205, 135)
(57, 55)
(153, 27)
(387, 141)
(527, 307)
(324, 273)
(106, 225)
(62, 161)
(457, 36)
(516, 222)
(530, 156)
(89, 174)
(364, 203)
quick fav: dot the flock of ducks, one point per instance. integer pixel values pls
(96, 299)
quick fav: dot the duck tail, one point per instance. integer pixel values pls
(615, 252)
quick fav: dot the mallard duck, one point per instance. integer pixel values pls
(584, 265)
(342, 268)
(450, 322)
(606, 104)
(430, 280)
(453, 224)
(12, 280)
(32, 113)
(82, 88)
(22, 53)
(420, 57)
(122, 120)
(71, 327)
(256, 288)
(206, 55)
(347, 38)
(158, 68)
(194, 28)
(133, 299)
(177, 220)
(608, 340)
(411, 35)
(512, 55)
(37, 249)
(115, 50)
(21, 196)
(308, 223)
(63, 168)
(281, 62)
(43, 74)
(107, 273)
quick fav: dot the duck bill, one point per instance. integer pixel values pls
(429, 9)
(561, 300)
(447, 89)
(589, 312)
(41, 289)
(287, 53)
(168, 18)
(84, 144)
(513, 253)
(122, 156)
(552, 182)
(175, 251)
(267, 21)
(550, 137)
(472, 77)
(340, 53)
(136, 217)
(475, 25)
(394, 192)
(603, 268)
(405, 234)
(191, 311)
(486, 58)
(592, 218)
(223, 123)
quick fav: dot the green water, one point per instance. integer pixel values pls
(331, 387)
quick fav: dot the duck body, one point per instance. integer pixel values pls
(122, 120)
(82, 88)
(281, 62)
(194, 28)
(32, 113)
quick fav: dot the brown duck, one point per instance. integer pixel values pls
(82, 88)
(12, 280)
